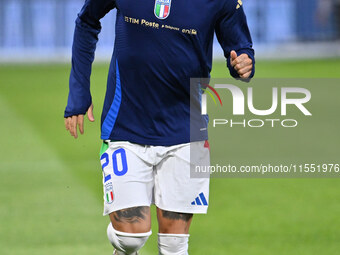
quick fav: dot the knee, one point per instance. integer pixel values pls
(126, 243)
(173, 244)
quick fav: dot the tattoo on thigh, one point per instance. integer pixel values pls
(131, 215)
(177, 216)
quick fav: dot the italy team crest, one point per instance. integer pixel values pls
(162, 8)
(109, 196)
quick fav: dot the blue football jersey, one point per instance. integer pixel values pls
(159, 46)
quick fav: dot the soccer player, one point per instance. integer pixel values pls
(145, 124)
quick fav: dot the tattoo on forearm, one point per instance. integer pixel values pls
(131, 215)
(177, 216)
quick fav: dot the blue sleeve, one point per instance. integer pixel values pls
(233, 33)
(84, 45)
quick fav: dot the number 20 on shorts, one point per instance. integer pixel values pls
(119, 162)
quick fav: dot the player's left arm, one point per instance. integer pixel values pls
(233, 34)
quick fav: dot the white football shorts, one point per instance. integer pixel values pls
(141, 175)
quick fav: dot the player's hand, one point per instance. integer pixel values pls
(71, 123)
(243, 64)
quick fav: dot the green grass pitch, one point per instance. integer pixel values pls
(50, 184)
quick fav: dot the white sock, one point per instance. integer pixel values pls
(173, 244)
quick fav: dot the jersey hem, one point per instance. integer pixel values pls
(157, 142)
(181, 209)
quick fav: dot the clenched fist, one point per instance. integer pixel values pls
(243, 64)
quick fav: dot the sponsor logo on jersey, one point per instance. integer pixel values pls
(239, 4)
(162, 8)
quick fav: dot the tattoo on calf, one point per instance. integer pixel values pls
(177, 216)
(131, 215)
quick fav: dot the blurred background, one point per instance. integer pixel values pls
(33, 30)
(50, 184)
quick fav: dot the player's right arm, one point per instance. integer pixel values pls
(84, 45)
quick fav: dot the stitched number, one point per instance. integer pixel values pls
(119, 162)
(104, 159)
